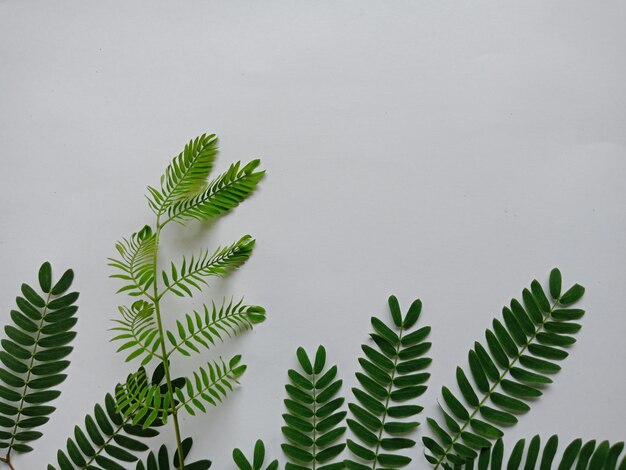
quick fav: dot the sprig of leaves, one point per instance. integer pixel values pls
(220, 196)
(523, 350)
(203, 330)
(35, 355)
(136, 262)
(186, 175)
(193, 274)
(392, 378)
(313, 422)
(185, 194)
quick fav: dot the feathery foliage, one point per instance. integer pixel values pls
(214, 324)
(186, 175)
(139, 332)
(185, 194)
(523, 350)
(577, 454)
(192, 274)
(392, 378)
(109, 439)
(313, 420)
(220, 196)
(136, 262)
(146, 403)
(258, 459)
(34, 356)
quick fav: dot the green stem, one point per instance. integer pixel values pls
(393, 374)
(168, 378)
(314, 419)
(492, 389)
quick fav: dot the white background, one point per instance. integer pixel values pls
(451, 151)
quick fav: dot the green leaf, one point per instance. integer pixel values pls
(555, 283)
(304, 361)
(320, 360)
(573, 295)
(45, 277)
(64, 283)
(394, 308)
(413, 314)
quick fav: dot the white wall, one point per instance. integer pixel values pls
(451, 151)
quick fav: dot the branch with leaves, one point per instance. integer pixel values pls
(185, 194)
(34, 355)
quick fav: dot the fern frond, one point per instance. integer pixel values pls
(161, 460)
(136, 262)
(522, 352)
(258, 459)
(108, 438)
(146, 403)
(34, 354)
(186, 175)
(313, 424)
(393, 377)
(193, 273)
(544, 456)
(138, 331)
(220, 196)
(204, 330)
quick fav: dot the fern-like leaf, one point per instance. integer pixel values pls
(161, 460)
(579, 455)
(109, 439)
(393, 377)
(136, 262)
(146, 403)
(186, 175)
(220, 196)
(192, 273)
(258, 459)
(34, 354)
(313, 422)
(138, 331)
(203, 330)
(522, 352)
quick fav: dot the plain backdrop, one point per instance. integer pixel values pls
(451, 151)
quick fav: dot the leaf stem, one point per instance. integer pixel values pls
(26, 381)
(7, 460)
(382, 428)
(157, 310)
(314, 419)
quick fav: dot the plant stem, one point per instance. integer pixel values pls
(393, 374)
(7, 460)
(314, 419)
(168, 378)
